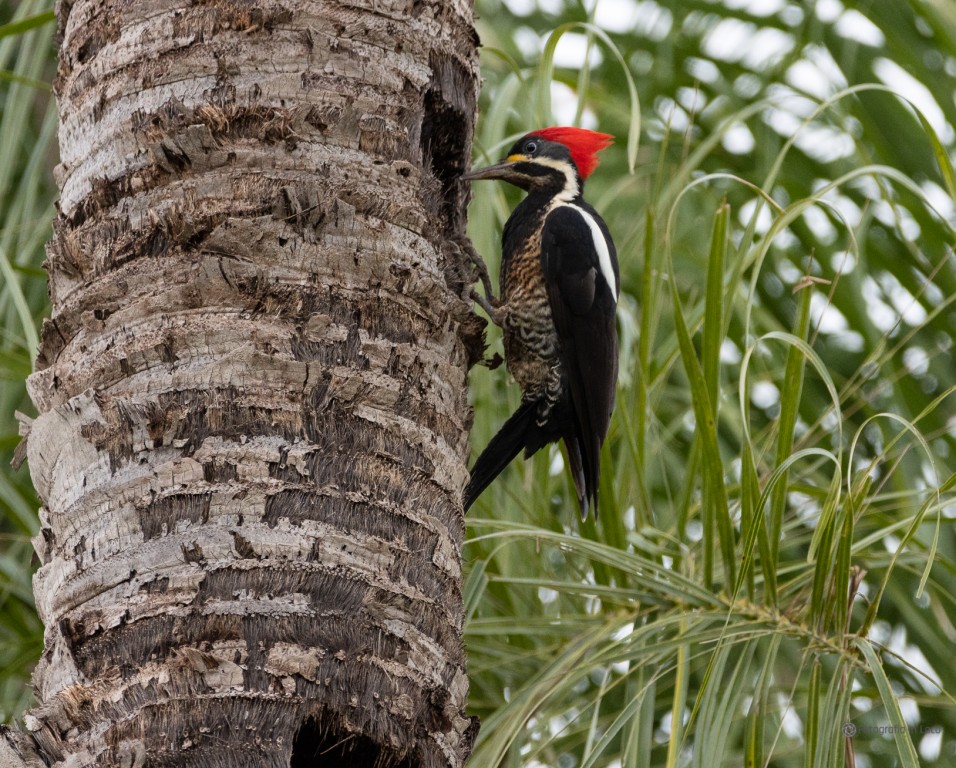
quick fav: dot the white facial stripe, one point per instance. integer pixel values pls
(571, 189)
(600, 246)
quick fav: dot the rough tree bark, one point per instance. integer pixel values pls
(252, 418)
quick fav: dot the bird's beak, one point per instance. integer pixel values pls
(503, 170)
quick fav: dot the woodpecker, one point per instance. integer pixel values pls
(559, 289)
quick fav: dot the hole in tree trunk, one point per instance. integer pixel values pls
(316, 745)
(444, 143)
(445, 138)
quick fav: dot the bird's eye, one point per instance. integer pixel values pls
(530, 148)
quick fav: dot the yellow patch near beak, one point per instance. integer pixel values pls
(515, 158)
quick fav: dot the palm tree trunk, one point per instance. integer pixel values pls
(252, 418)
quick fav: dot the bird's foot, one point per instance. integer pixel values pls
(487, 301)
(493, 362)
(492, 306)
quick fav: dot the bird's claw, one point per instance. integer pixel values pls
(493, 362)
(491, 306)
(488, 301)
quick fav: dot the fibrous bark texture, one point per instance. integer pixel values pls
(252, 418)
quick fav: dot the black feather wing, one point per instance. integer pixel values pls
(580, 269)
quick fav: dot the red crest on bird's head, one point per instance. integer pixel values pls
(584, 145)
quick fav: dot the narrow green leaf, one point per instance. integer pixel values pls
(13, 289)
(678, 704)
(811, 722)
(901, 734)
(25, 25)
(30, 82)
(790, 392)
(713, 481)
(474, 587)
(713, 329)
(649, 300)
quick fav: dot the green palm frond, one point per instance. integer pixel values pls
(776, 557)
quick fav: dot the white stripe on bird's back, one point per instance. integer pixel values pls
(600, 246)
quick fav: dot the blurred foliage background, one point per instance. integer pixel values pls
(772, 578)
(27, 191)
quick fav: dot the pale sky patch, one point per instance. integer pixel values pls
(853, 25)
(757, 7)
(738, 140)
(729, 39)
(901, 81)
(644, 19)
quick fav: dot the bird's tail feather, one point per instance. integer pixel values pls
(499, 453)
(590, 450)
(578, 474)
